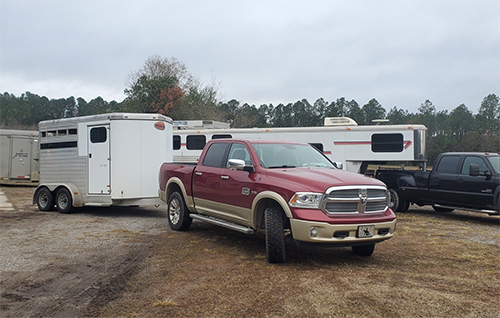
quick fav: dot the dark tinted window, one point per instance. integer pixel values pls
(448, 164)
(72, 131)
(387, 142)
(195, 142)
(177, 142)
(98, 135)
(221, 136)
(318, 146)
(215, 154)
(474, 160)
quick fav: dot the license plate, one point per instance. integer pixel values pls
(366, 230)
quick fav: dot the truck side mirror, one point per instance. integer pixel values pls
(338, 165)
(238, 164)
(473, 170)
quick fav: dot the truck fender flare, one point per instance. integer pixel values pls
(76, 194)
(273, 196)
(178, 182)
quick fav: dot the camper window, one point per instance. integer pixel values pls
(387, 142)
(62, 132)
(196, 142)
(177, 142)
(72, 131)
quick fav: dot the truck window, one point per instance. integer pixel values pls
(474, 160)
(448, 164)
(98, 135)
(195, 142)
(387, 142)
(177, 142)
(214, 155)
(317, 146)
(239, 151)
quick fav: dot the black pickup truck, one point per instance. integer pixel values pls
(467, 181)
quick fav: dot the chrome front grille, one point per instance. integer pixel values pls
(355, 199)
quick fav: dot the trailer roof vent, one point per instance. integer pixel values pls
(340, 121)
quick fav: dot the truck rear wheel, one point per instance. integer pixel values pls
(363, 250)
(275, 236)
(396, 203)
(44, 200)
(177, 213)
(64, 202)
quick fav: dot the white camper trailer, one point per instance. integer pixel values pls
(340, 139)
(19, 155)
(102, 160)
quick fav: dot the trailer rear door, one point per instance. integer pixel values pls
(99, 160)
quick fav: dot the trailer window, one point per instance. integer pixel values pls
(221, 136)
(387, 142)
(98, 135)
(177, 142)
(62, 132)
(72, 131)
(44, 133)
(195, 142)
(214, 155)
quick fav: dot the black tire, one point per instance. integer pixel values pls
(44, 200)
(441, 210)
(64, 201)
(363, 250)
(275, 235)
(396, 203)
(177, 213)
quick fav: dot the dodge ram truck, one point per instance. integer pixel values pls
(467, 181)
(284, 189)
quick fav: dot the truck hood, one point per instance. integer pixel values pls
(317, 179)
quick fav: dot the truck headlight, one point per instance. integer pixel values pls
(308, 200)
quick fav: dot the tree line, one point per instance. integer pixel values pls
(164, 86)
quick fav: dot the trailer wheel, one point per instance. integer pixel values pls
(275, 236)
(64, 202)
(45, 200)
(177, 213)
(363, 250)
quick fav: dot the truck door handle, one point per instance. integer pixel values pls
(198, 173)
(224, 177)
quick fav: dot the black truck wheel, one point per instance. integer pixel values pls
(363, 250)
(177, 213)
(44, 200)
(396, 203)
(275, 236)
(64, 202)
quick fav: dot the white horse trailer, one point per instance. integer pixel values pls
(342, 140)
(102, 160)
(19, 155)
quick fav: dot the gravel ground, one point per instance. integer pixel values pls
(126, 262)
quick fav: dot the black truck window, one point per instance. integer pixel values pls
(473, 160)
(448, 164)
(215, 154)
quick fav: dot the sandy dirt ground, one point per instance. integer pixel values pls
(126, 262)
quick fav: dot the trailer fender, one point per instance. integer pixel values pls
(76, 194)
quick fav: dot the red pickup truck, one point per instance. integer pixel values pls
(282, 188)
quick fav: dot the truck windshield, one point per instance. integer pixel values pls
(495, 162)
(290, 156)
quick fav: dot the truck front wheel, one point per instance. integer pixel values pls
(275, 236)
(177, 213)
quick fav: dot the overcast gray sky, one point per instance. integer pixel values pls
(400, 52)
